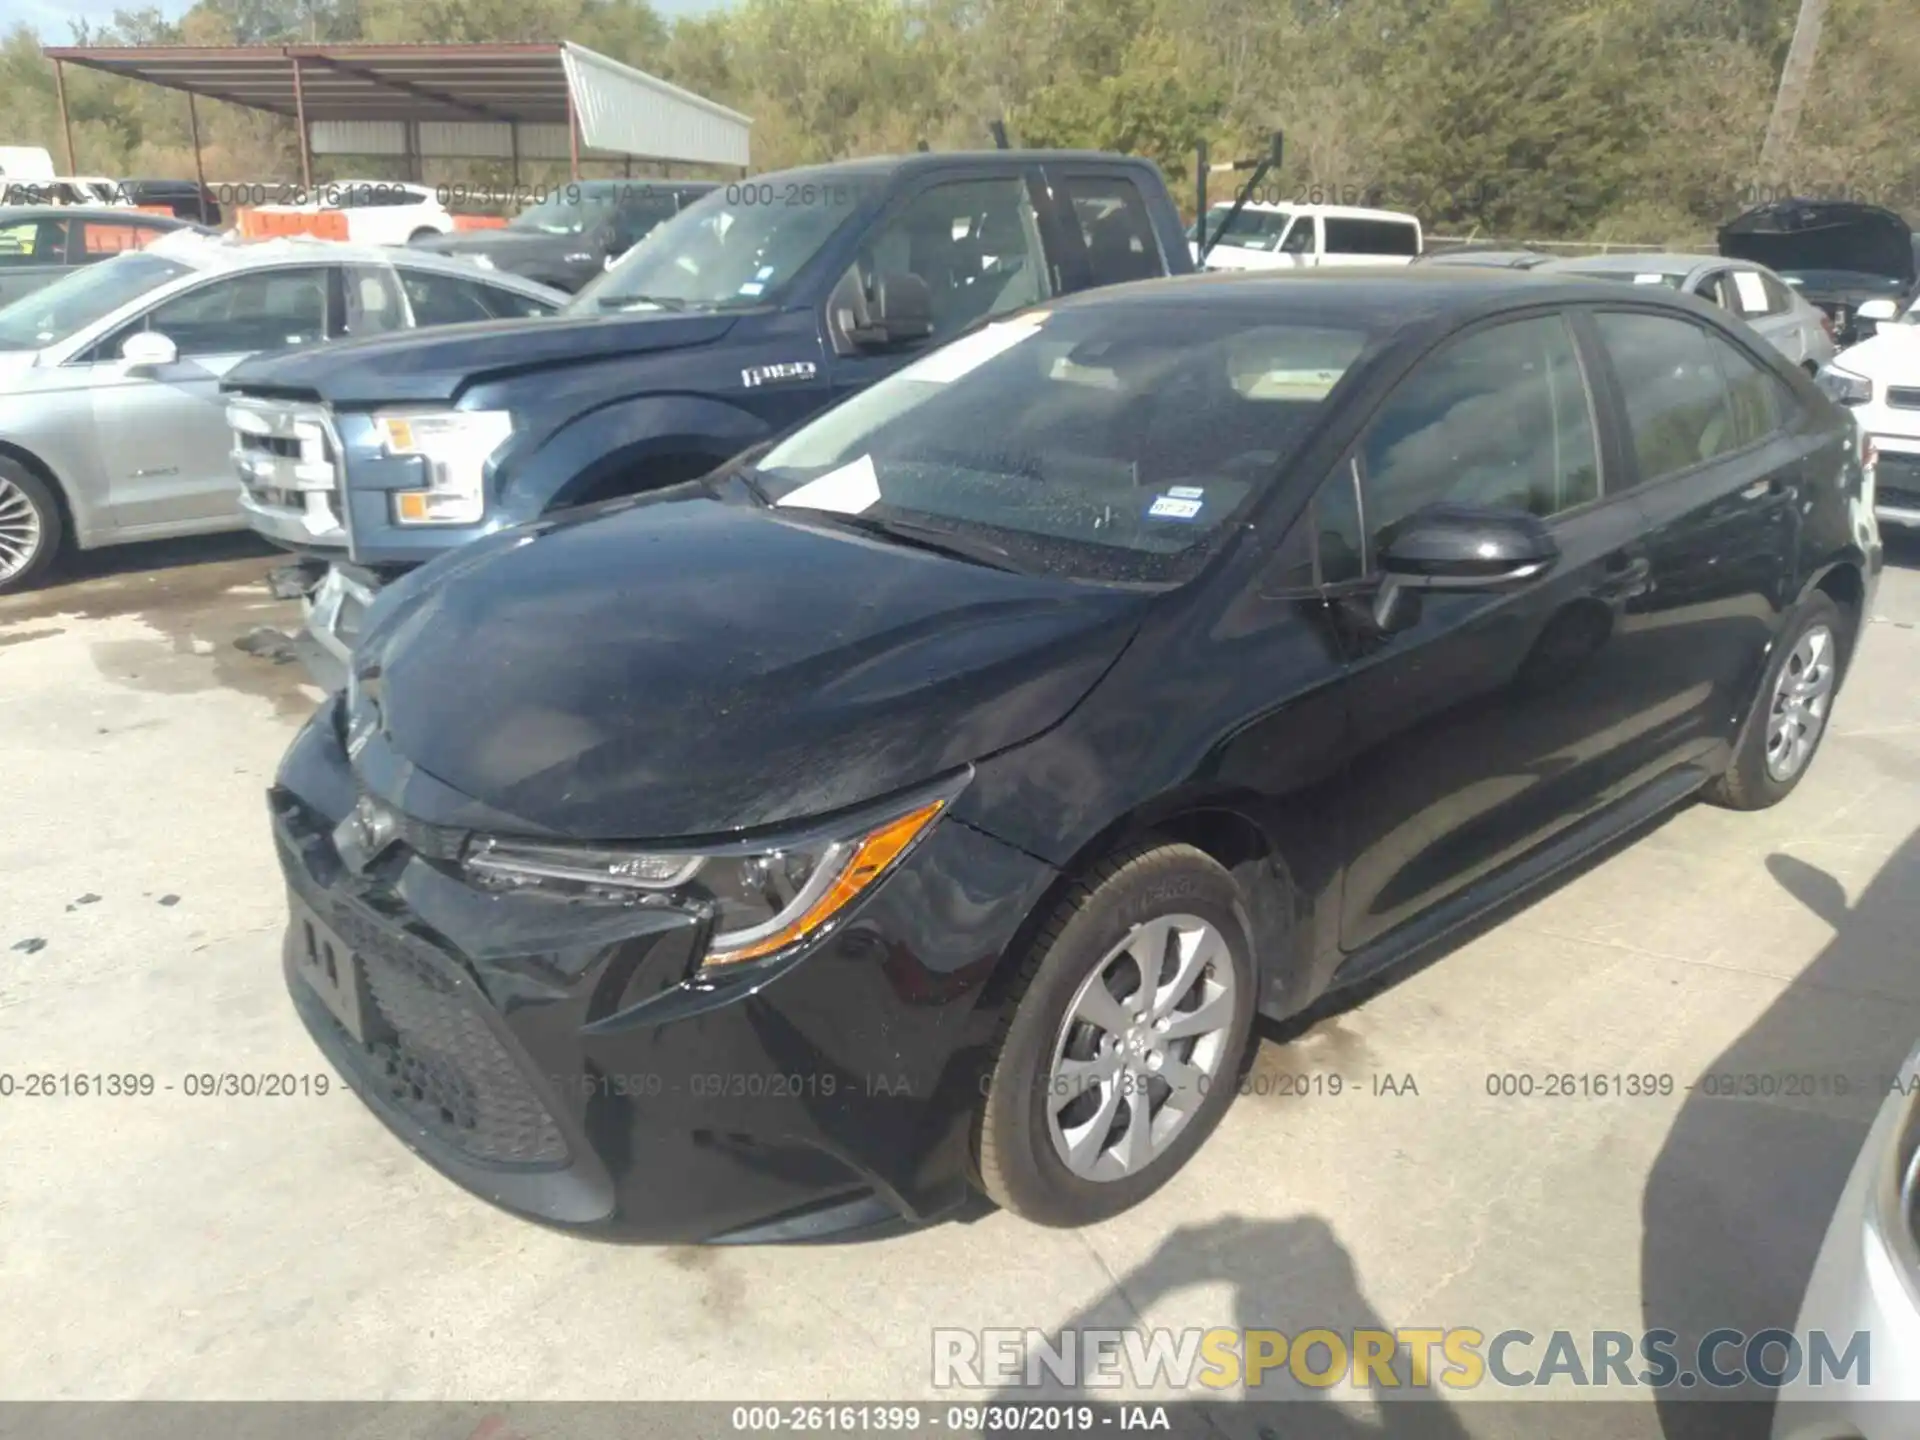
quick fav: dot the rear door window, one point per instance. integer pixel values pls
(1673, 375)
(444, 299)
(1371, 237)
(1115, 227)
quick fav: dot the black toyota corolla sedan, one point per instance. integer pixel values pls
(931, 801)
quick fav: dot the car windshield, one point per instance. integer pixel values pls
(739, 246)
(1108, 443)
(52, 313)
(1251, 229)
(570, 210)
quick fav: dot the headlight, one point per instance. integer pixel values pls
(1844, 386)
(761, 900)
(456, 445)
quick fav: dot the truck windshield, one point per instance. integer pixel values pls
(1108, 443)
(50, 314)
(568, 211)
(738, 246)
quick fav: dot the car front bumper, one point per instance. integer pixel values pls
(562, 1059)
(1895, 433)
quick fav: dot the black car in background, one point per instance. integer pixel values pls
(575, 233)
(1839, 254)
(184, 198)
(931, 799)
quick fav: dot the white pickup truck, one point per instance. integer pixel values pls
(1267, 236)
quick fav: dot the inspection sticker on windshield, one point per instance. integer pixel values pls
(1182, 502)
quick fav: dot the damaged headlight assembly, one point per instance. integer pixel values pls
(762, 898)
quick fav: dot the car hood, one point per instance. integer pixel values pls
(677, 665)
(1891, 356)
(1795, 235)
(438, 363)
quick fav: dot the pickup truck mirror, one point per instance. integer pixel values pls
(1457, 547)
(900, 313)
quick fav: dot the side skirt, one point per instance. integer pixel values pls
(1580, 840)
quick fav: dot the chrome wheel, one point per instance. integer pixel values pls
(20, 533)
(1140, 1048)
(1801, 698)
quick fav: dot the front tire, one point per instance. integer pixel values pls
(31, 528)
(1124, 1041)
(1792, 710)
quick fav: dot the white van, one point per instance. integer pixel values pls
(25, 162)
(1275, 237)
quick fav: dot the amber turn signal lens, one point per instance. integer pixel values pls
(870, 860)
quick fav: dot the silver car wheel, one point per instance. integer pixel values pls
(1140, 1047)
(20, 533)
(1801, 697)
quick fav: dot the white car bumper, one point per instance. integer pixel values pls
(1866, 1280)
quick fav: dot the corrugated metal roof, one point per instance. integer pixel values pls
(620, 110)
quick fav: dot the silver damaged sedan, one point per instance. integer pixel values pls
(112, 427)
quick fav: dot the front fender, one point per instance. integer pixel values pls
(627, 433)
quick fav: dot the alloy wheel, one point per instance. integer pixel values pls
(20, 533)
(1140, 1048)
(1801, 698)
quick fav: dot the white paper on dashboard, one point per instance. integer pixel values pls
(1753, 295)
(847, 491)
(970, 352)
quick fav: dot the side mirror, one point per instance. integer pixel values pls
(1878, 310)
(902, 310)
(1457, 547)
(148, 350)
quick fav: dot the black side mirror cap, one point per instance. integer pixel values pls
(1458, 547)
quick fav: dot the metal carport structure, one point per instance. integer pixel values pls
(473, 102)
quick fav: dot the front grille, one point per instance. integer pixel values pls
(1904, 397)
(288, 458)
(433, 1055)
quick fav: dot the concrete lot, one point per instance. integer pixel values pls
(252, 1248)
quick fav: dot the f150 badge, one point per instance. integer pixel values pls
(770, 374)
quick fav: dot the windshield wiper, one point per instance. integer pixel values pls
(939, 540)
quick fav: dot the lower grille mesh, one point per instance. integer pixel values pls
(437, 1059)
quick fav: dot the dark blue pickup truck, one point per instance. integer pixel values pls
(743, 315)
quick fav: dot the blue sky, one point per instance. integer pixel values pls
(54, 18)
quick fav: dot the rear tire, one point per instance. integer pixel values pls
(32, 529)
(1792, 710)
(1113, 1064)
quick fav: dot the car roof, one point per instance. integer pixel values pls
(878, 166)
(1640, 264)
(1379, 299)
(126, 214)
(1332, 212)
(205, 251)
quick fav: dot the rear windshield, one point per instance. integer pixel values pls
(1109, 443)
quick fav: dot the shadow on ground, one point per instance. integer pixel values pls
(1741, 1194)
